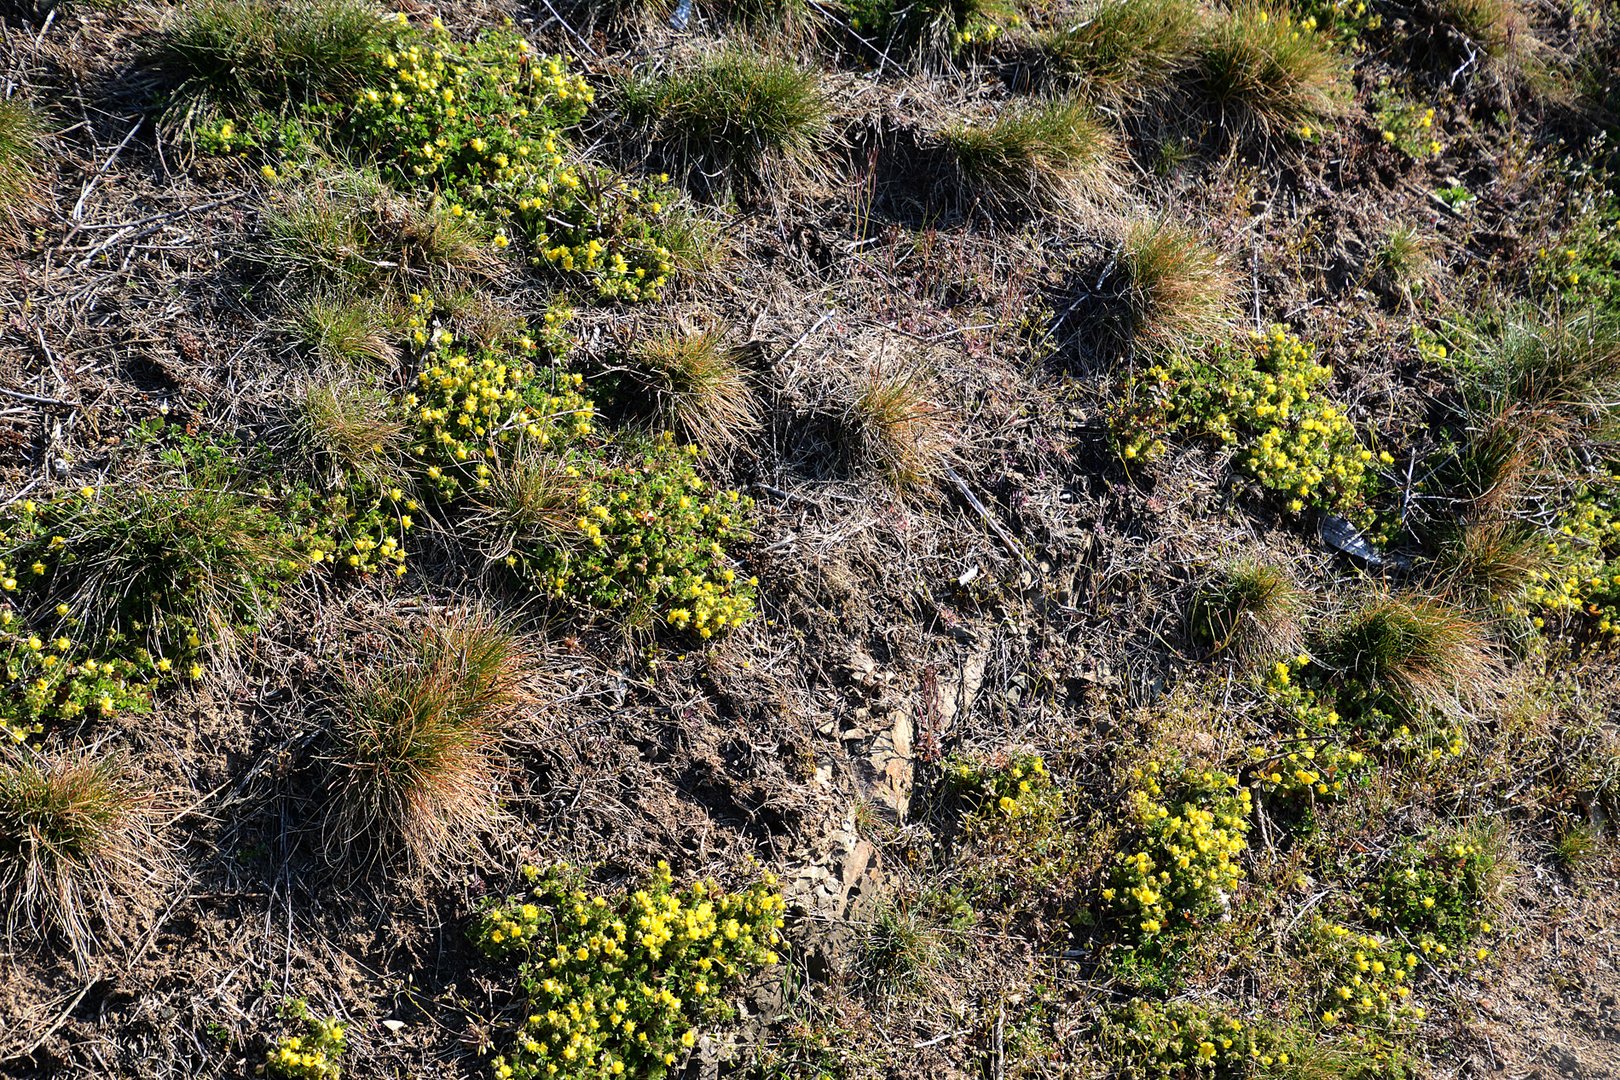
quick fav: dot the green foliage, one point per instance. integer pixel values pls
(264, 54)
(1019, 843)
(931, 29)
(76, 841)
(1261, 69)
(478, 129)
(651, 534)
(1047, 154)
(22, 150)
(1264, 399)
(1406, 125)
(1342, 21)
(1125, 49)
(1435, 894)
(1190, 830)
(1583, 265)
(471, 402)
(1367, 978)
(312, 1054)
(616, 523)
(1320, 755)
(736, 110)
(617, 986)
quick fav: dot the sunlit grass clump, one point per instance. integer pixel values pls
(1125, 50)
(78, 843)
(1261, 70)
(341, 328)
(1057, 155)
(267, 54)
(1173, 286)
(897, 429)
(619, 985)
(1413, 648)
(698, 388)
(345, 428)
(166, 561)
(736, 110)
(416, 756)
(1251, 608)
(352, 232)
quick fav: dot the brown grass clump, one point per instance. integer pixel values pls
(78, 843)
(1175, 287)
(898, 430)
(1493, 559)
(1044, 155)
(341, 328)
(1263, 71)
(699, 389)
(1416, 648)
(415, 763)
(1251, 609)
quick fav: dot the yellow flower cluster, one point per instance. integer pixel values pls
(652, 532)
(1370, 978)
(1018, 787)
(1583, 574)
(1313, 760)
(482, 123)
(1405, 125)
(468, 403)
(1264, 399)
(1435, 895)
(1184, 865)
(51, 679)
(481, 115)
(616, 987)
(1172, 1040)
(311, 1056)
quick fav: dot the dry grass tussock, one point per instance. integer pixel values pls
(699, 388)
(79, 845)
(898, 430)
(1172, 285)
(1250, 609)
(415, 761)
(1262, 72)
(1124, 50)
(1417, 648)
